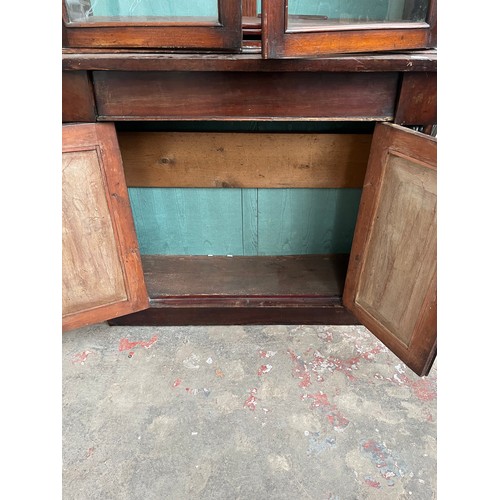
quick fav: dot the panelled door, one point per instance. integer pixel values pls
(311, 28)
(391, 279)
(176, 24)
(102, 271)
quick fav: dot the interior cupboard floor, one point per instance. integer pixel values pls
(263, 290)
(301, 276)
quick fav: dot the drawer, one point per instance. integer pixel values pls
(179, 95)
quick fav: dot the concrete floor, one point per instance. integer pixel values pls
(279, 412)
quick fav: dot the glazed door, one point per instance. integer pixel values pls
(391, 279)
(102, 270)
(145, 24)
(311, 28)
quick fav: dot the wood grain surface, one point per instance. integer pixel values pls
(102, 271)
(236, 95)
(391, 281)
(247, 160)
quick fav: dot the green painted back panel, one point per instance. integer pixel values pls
(306, 221)
(188, 221)
(182, 221)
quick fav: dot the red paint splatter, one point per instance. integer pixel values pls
(264, 369)
(423, 388)
(267, 354)
(346, 366)
(371, 482)
(90, 452)
(306, 380)
(251, 401)
(336, 419)
(326, 336)
(320, 399)
(131, 353)
(126, 345)
(81, 357)
(319, 364)
(300, 370)
(177, 382)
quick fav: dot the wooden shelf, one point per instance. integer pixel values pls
(193, 290)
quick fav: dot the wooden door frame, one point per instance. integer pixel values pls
(101, 138)
(278, 43)
(388, 139)
(196, 34)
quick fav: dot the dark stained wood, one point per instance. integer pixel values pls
(226, 35)
(250, 46)
(102, 270)
(273, 28)
(338, 42)
(278, 41)
(236, 95)
(391, 281)
(417, 99)
(432, 20)
(240, 278)
(252, 29)
(198, 314)
(249, 7)
(424, 60)
(244, 160)
(200, 290)
(77, 97)
(145, 21)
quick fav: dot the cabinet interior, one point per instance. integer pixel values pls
(310, 203)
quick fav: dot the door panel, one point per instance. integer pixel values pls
(391, 280)
(198, 24)
(312, 28)
(102, 271)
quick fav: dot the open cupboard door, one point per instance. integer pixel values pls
(102, 270)
(391, 279)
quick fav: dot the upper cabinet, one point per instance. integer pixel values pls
(289, 28)
(145, 24)
(308, 28)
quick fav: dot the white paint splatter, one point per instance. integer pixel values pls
(264, 369)
(192, 362)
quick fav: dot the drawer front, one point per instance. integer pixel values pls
(122, 95)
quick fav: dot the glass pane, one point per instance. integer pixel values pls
(130, 10)
(302, 13)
